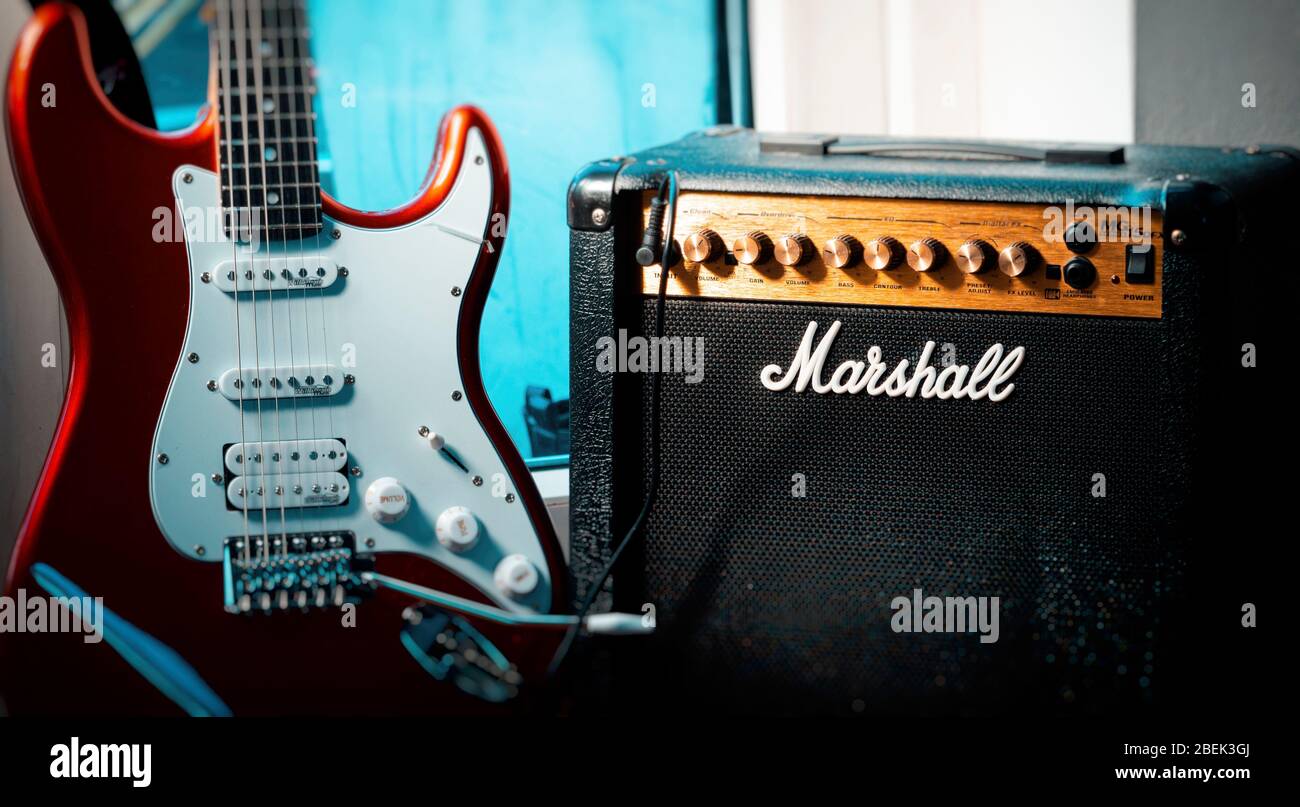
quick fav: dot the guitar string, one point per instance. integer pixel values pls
(275, 453)
(224, 44)
(242, 40)
(311, 404)
(304, 63)
(284, 90)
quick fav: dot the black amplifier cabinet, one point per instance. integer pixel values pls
(907, 382)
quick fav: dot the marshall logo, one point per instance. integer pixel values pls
(989, 378)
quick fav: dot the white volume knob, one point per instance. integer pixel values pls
(457, 529)
(516, 576)
(386, 500)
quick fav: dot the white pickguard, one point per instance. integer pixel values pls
(390, 322)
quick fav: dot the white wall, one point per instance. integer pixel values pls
(1010, 69)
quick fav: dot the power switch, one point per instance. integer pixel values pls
(1139, 263)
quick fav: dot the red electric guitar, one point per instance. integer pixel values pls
(276, 463)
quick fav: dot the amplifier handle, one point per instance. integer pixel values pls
(830, 145)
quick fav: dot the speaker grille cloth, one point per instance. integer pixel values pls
(767, 601)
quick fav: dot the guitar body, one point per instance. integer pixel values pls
(136, 504)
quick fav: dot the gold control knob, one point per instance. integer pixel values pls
(883, 253)
(842, 251)
(752, 248)
(793, 249)
(702, 246)
(1018, 259)
(926, 254)
(974, 256)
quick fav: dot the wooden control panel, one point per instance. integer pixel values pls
(990, 256)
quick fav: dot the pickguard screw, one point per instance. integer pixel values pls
(424, 431)
(200, 551)
(212, 385)
(599, 216)
(162, 459)
(478, 160)
(193, 357)
(478, 481)
(206, 277)
(348, 378)
(456, 396)
(510, 498)
(187, 178)
(336, 233)
(343, 271)
(455, 291)
(1178, 237)
(370, 543)
(356, 470)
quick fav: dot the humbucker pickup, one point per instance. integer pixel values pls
(273, 273)
(316, 381)
(279, 571)
(276, 490)
(286, 457)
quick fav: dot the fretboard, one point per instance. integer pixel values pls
(270, 186)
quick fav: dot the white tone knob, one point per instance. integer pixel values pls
(386, 500)
(436, 441)
(516, 576)
(457, 529)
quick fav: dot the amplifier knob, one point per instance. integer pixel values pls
(1018, 259)
(883, 253)
(702, 246)
(1080, 237)
(793, 249)
(974, 256)
(926, 254)
(842, 251)
(752, 248)
(1079, 273)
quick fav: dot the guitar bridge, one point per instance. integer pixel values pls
(302, 570)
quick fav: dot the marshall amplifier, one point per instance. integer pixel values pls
(965, 428)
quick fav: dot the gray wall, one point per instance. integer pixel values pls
(1193, 56)
(30, 318)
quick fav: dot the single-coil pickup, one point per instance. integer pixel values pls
(286, 457)
(273, 273)
(273, 491)
(316, 381)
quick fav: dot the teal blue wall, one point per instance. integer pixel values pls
(565, 83)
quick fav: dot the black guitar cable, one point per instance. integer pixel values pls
(657, 245)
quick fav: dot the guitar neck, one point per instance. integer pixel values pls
(270, 184)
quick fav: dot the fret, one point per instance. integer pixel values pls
(266, 123)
